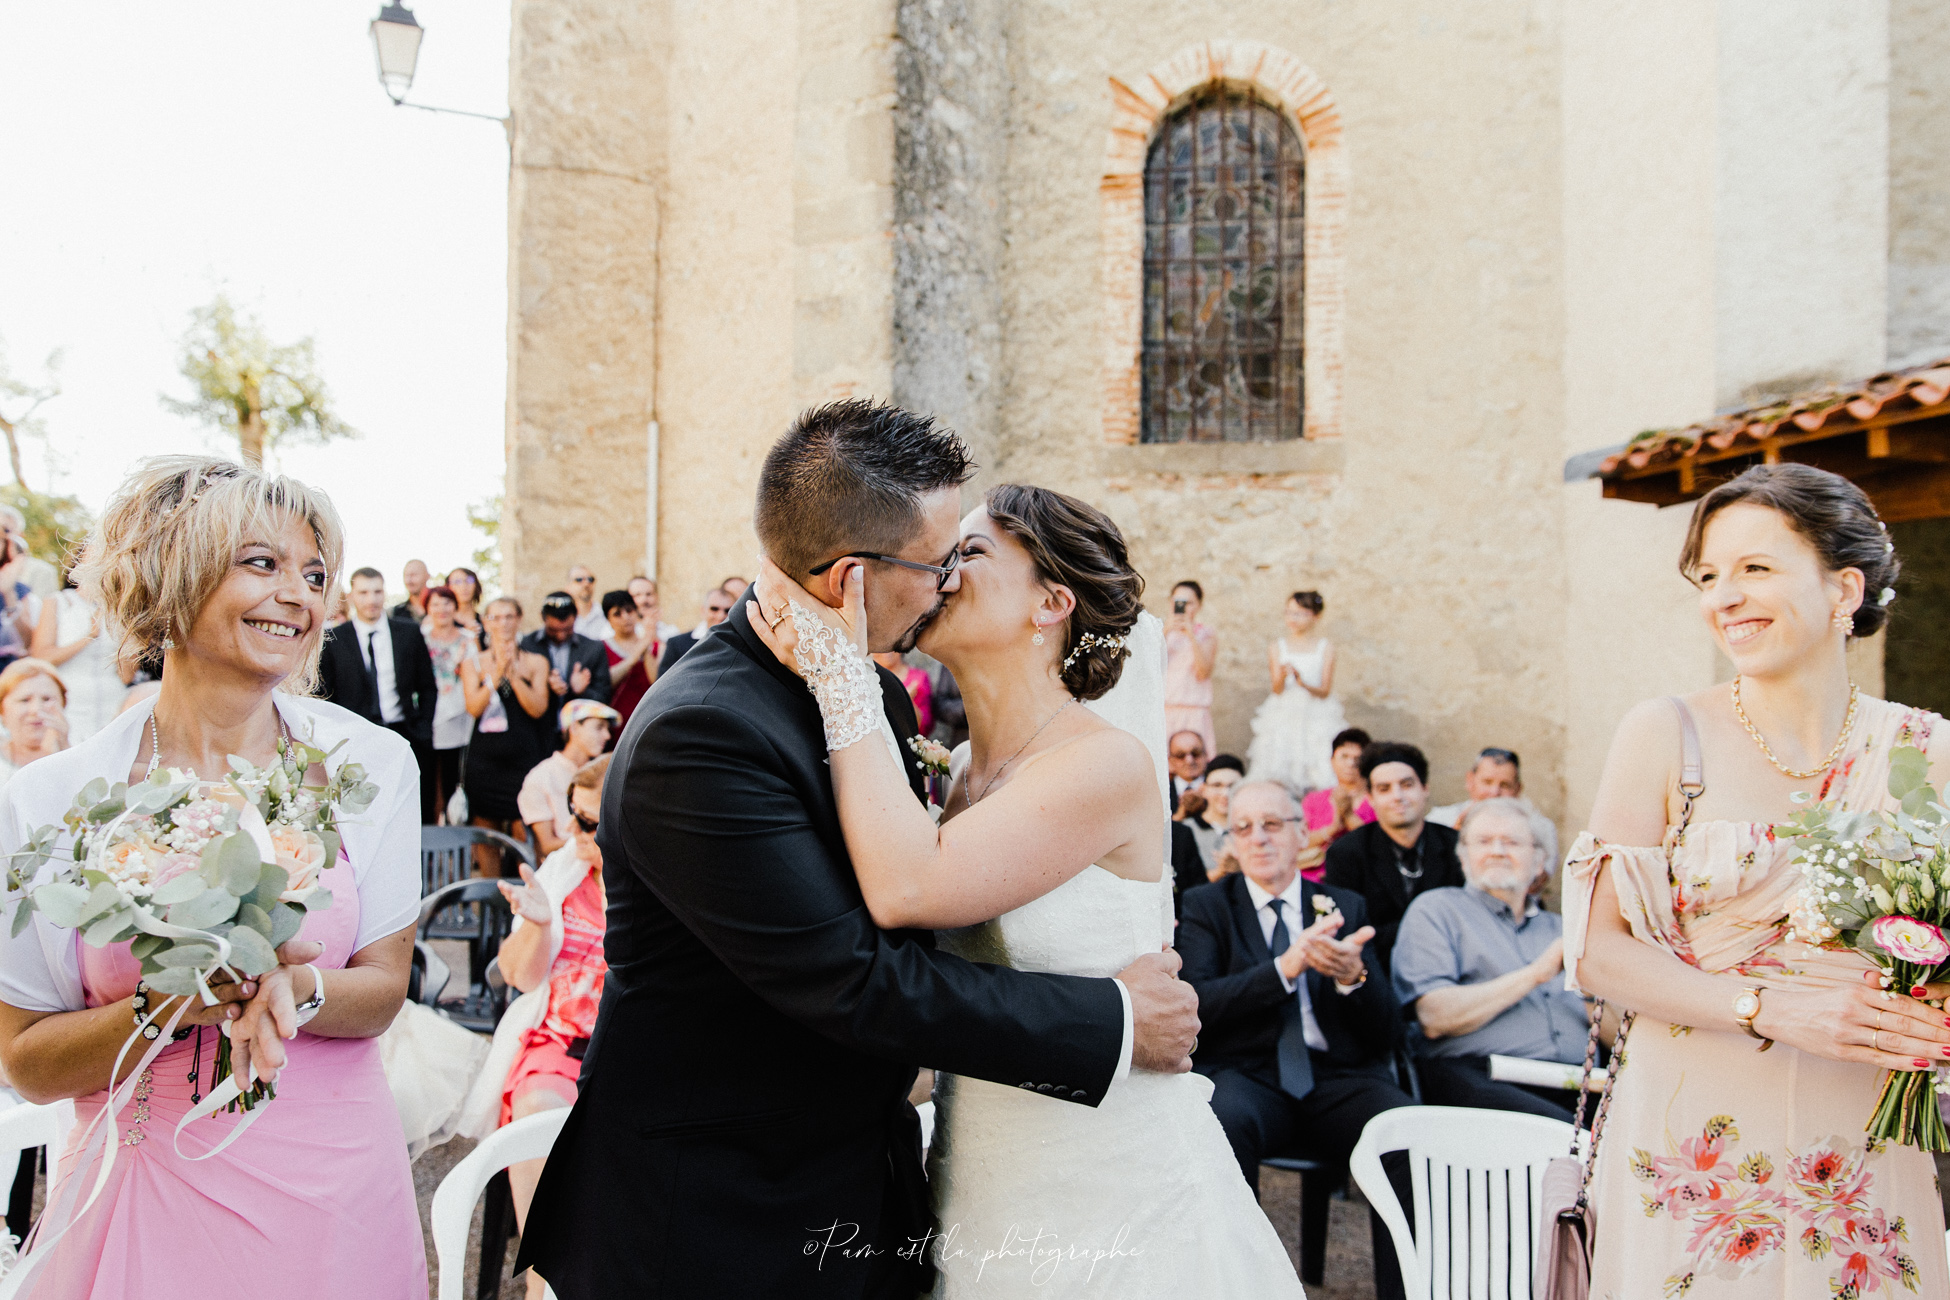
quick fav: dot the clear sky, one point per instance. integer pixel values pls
(154, 152)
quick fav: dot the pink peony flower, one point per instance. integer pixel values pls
(176, 864)
(301, 854)
(1907, 939)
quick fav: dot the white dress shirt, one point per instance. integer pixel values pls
(376, 647)
(1262, 904)
(594, 624)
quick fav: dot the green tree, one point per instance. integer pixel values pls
(56, 526)
(265, 393)
(485, 518)
(19, 403)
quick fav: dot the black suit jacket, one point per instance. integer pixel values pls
(1240, 995)
(674, 649)
(1187, 865)
(343, 681)
(584, 652)
(1363, 860)
(746, 1084)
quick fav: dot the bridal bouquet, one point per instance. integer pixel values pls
(201, 877)
(1880, 883)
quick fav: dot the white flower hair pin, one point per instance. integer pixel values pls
(1113, 645)
(1886, 595)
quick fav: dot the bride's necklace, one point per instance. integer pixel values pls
(997, 774)
(1848, 725)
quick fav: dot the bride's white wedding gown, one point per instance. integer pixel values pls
(1136, 1198)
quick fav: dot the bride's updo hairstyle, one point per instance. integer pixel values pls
(1076, 545)
(1830, 513)
(170, 535)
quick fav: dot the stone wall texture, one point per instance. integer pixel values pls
(1540, 227)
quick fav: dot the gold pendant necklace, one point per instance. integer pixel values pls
(1848, 725)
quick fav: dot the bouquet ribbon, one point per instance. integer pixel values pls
(99, 1142)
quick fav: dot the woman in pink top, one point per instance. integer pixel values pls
(919, 689)
(1191, 648)
(315, 1200)
(1334, 812)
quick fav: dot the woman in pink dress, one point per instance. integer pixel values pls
(225, 571)
(1333, 812)
(554, 956)
(1191, 648)
(919, 689)
(1733, 1162)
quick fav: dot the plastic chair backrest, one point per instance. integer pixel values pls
(447, 853)
(26, 1126)
(452, 1212)
(1475, 1175)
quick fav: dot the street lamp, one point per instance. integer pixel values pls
(396, 37)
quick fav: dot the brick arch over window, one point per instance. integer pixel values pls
(1138, 109)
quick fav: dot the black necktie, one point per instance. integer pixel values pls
(1295, 1059)
(372, 673)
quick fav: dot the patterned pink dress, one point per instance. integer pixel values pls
(575, 990)
(316, 1198)
(1730, 1172)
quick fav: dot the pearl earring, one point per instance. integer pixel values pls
(169, 643)
(1844, 622)
(1038, 638)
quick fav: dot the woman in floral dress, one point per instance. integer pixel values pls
(1735, 1162)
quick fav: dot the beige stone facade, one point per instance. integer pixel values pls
(1534, 229)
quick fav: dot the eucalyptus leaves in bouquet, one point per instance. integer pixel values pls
(197, 876)
(1879, 882)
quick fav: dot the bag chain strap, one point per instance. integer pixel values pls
(1691, 786)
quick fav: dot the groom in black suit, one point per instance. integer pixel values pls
(1299, 1029)
(742, 1128)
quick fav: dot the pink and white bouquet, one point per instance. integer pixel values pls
(1880, 883)
(200, 876)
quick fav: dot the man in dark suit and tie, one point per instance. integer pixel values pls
(379, 668)
(578, 666)
(1298, 1024)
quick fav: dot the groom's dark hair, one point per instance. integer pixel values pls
(849, 476)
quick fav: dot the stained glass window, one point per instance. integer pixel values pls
(1223, 226)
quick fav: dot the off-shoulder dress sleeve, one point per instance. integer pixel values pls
(1645, 899)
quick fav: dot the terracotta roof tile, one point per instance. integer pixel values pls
(1836, 407)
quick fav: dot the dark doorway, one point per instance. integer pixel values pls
(1916, 658)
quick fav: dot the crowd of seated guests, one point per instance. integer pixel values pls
(1415, 951)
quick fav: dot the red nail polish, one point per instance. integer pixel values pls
(1922, 1065)
(1919, 990)
(1945, 1050)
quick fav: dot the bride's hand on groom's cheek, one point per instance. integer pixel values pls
(774, 594)
(1164, 1014)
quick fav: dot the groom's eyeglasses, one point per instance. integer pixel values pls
(941, 572)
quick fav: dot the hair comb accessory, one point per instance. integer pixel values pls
(1091, 641)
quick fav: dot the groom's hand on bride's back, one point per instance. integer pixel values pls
(1164, 1014)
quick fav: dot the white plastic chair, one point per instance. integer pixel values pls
(528, 1138)
(24, 1126)
(1475, 1175)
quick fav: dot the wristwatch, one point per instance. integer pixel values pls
(1745, 1007)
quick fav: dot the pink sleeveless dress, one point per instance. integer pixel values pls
(1730, 1172)
(317, 1198)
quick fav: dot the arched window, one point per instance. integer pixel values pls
(1223, 238)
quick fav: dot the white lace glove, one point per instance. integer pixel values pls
(842, 679)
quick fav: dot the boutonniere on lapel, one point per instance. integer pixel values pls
(1323, 906)
(932, 757)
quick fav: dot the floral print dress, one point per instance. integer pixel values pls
(575, 990)
(1726, 1171)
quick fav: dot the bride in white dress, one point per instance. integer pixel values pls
(1050, 856)
(1294, 730)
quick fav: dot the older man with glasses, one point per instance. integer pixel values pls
(1298, 1025)
(1481, 969)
